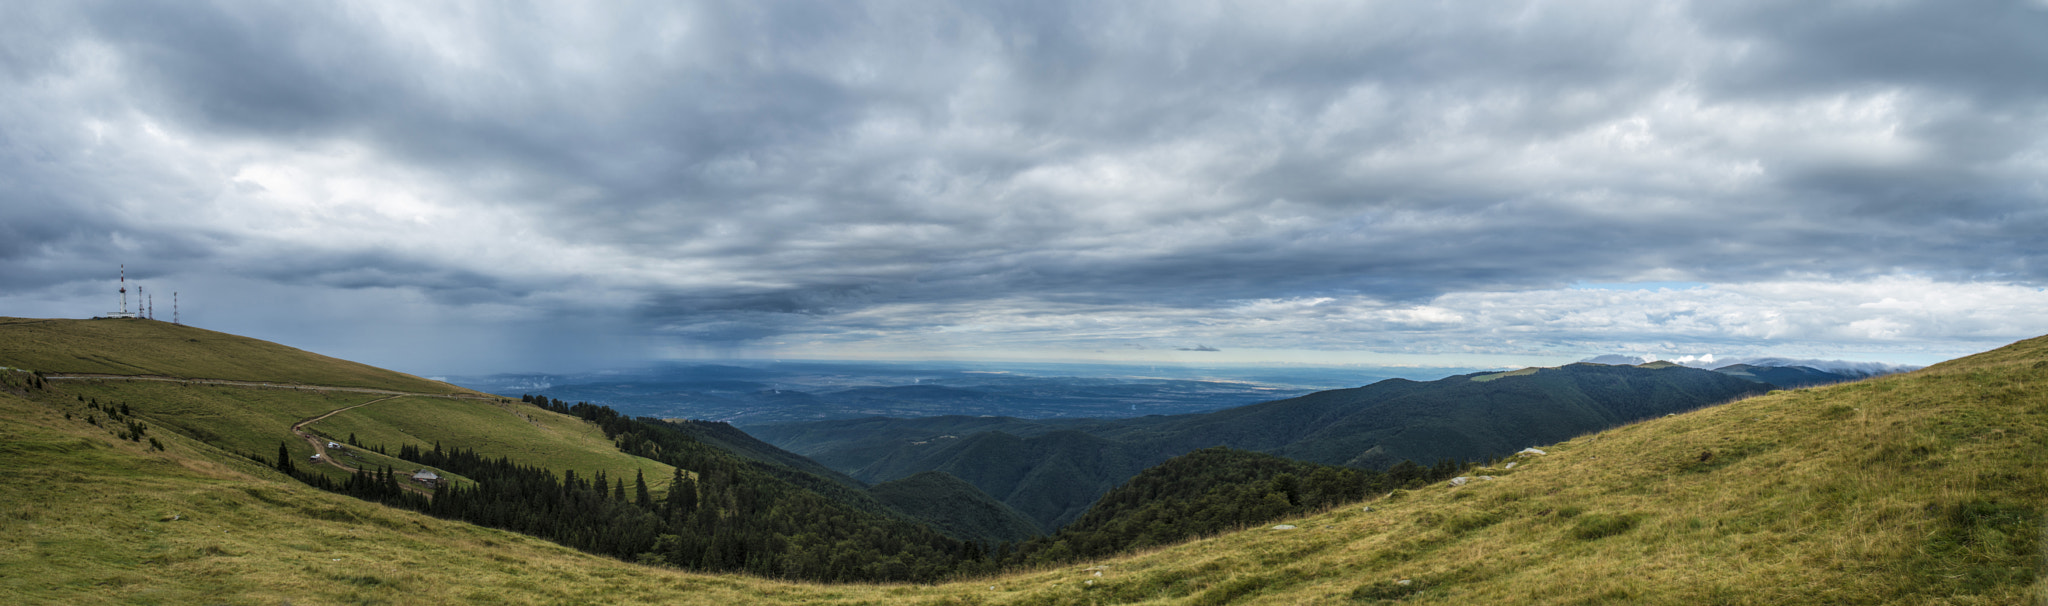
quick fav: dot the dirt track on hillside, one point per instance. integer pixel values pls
(298, 429)
(264, 384)
(320, 445)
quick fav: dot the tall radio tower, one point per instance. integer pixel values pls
(124, 295)
(174, 308)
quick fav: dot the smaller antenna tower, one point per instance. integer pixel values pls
(152, 304)
(174, 308)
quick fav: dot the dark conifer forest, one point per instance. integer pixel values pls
(729, 514)
(735, 506)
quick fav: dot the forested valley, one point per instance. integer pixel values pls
(739, 511)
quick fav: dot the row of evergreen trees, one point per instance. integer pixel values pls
(594, 514)
(381, 485)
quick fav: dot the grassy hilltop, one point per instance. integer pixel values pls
(1922, 488)
(244, 419)
(152, 348)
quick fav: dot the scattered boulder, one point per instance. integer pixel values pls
(1531, 451)
(1284, 527)
(1510, 465)
(1463, 480)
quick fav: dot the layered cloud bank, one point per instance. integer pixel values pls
(528, 186)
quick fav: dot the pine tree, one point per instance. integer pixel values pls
(641, 497)
(682, 497)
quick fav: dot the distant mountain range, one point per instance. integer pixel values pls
(786, 392)
(1052, 470)
(1815, 372)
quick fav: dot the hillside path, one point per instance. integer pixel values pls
(268, 384)
(320, 446)
(298, 429)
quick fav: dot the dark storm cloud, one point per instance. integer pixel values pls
(1987, 52)
(736, 171)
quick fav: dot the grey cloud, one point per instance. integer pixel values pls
(834, 160)
(1988, 52)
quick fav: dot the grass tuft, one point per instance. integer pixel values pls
(1599, 526)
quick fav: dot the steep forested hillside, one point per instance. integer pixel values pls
(955, 508)
(1210, 491)
(1053, 470)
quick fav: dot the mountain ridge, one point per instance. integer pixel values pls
(1464, 417)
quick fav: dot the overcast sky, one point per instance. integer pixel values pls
(477, 187)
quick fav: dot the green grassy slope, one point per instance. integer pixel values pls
(1922, 488)
(1908, 489)
(149, 347)
(256, 416)
(254, 420)
(497, 428)
(89, 519)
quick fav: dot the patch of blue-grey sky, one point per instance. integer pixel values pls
(474, 188)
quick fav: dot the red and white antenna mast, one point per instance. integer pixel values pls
(174, 308)
(124, 295)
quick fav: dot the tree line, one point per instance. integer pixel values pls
(727, 513)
